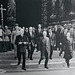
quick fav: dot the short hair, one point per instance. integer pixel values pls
(22, 30)
(39, 25)
(30, 28)
(6, 26)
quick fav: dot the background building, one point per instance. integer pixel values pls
(32, 12)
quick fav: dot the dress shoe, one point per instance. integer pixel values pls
(15, 57)
(24, 69)
(46, 67)
(31, 59)
(68, 65)
(51, 58)
(39, 62)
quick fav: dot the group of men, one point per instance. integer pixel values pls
(31, 39)
(44, 40)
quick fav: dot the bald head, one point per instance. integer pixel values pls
(30, 29)
(44, 33)
(6, 27)
(39, 25)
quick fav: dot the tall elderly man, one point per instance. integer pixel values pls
(45, 49)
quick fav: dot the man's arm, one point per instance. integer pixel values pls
(54, 40)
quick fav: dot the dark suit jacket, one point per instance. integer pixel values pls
(32, 39)
(21, 47)
(38, 36)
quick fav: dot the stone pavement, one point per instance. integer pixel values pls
(68, 71)
(9, 65)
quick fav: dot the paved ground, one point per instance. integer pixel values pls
(57, 72)
(56, 66)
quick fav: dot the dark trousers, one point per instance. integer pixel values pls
(67, 61)
(19, 58)
(28, 51)
(38, 46)
(46, 58)
(7, 45)
(31, 51)
(1, 46)
(60, 52)
(63, 48)
(51, 51)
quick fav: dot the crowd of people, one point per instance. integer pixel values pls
(45, 40)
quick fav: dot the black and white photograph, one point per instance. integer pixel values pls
(37, 37)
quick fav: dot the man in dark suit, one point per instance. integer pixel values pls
(26, 33)
(21, 42)
(52, 40)
(31, 38)
(38, 36)
(63, 41)
(45, 47)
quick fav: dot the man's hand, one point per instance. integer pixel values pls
(35, 45)
(20, 42)
(60, 43)
(24, 42)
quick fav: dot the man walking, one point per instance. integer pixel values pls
(21, 42)
(45, 47)
(52, 40)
